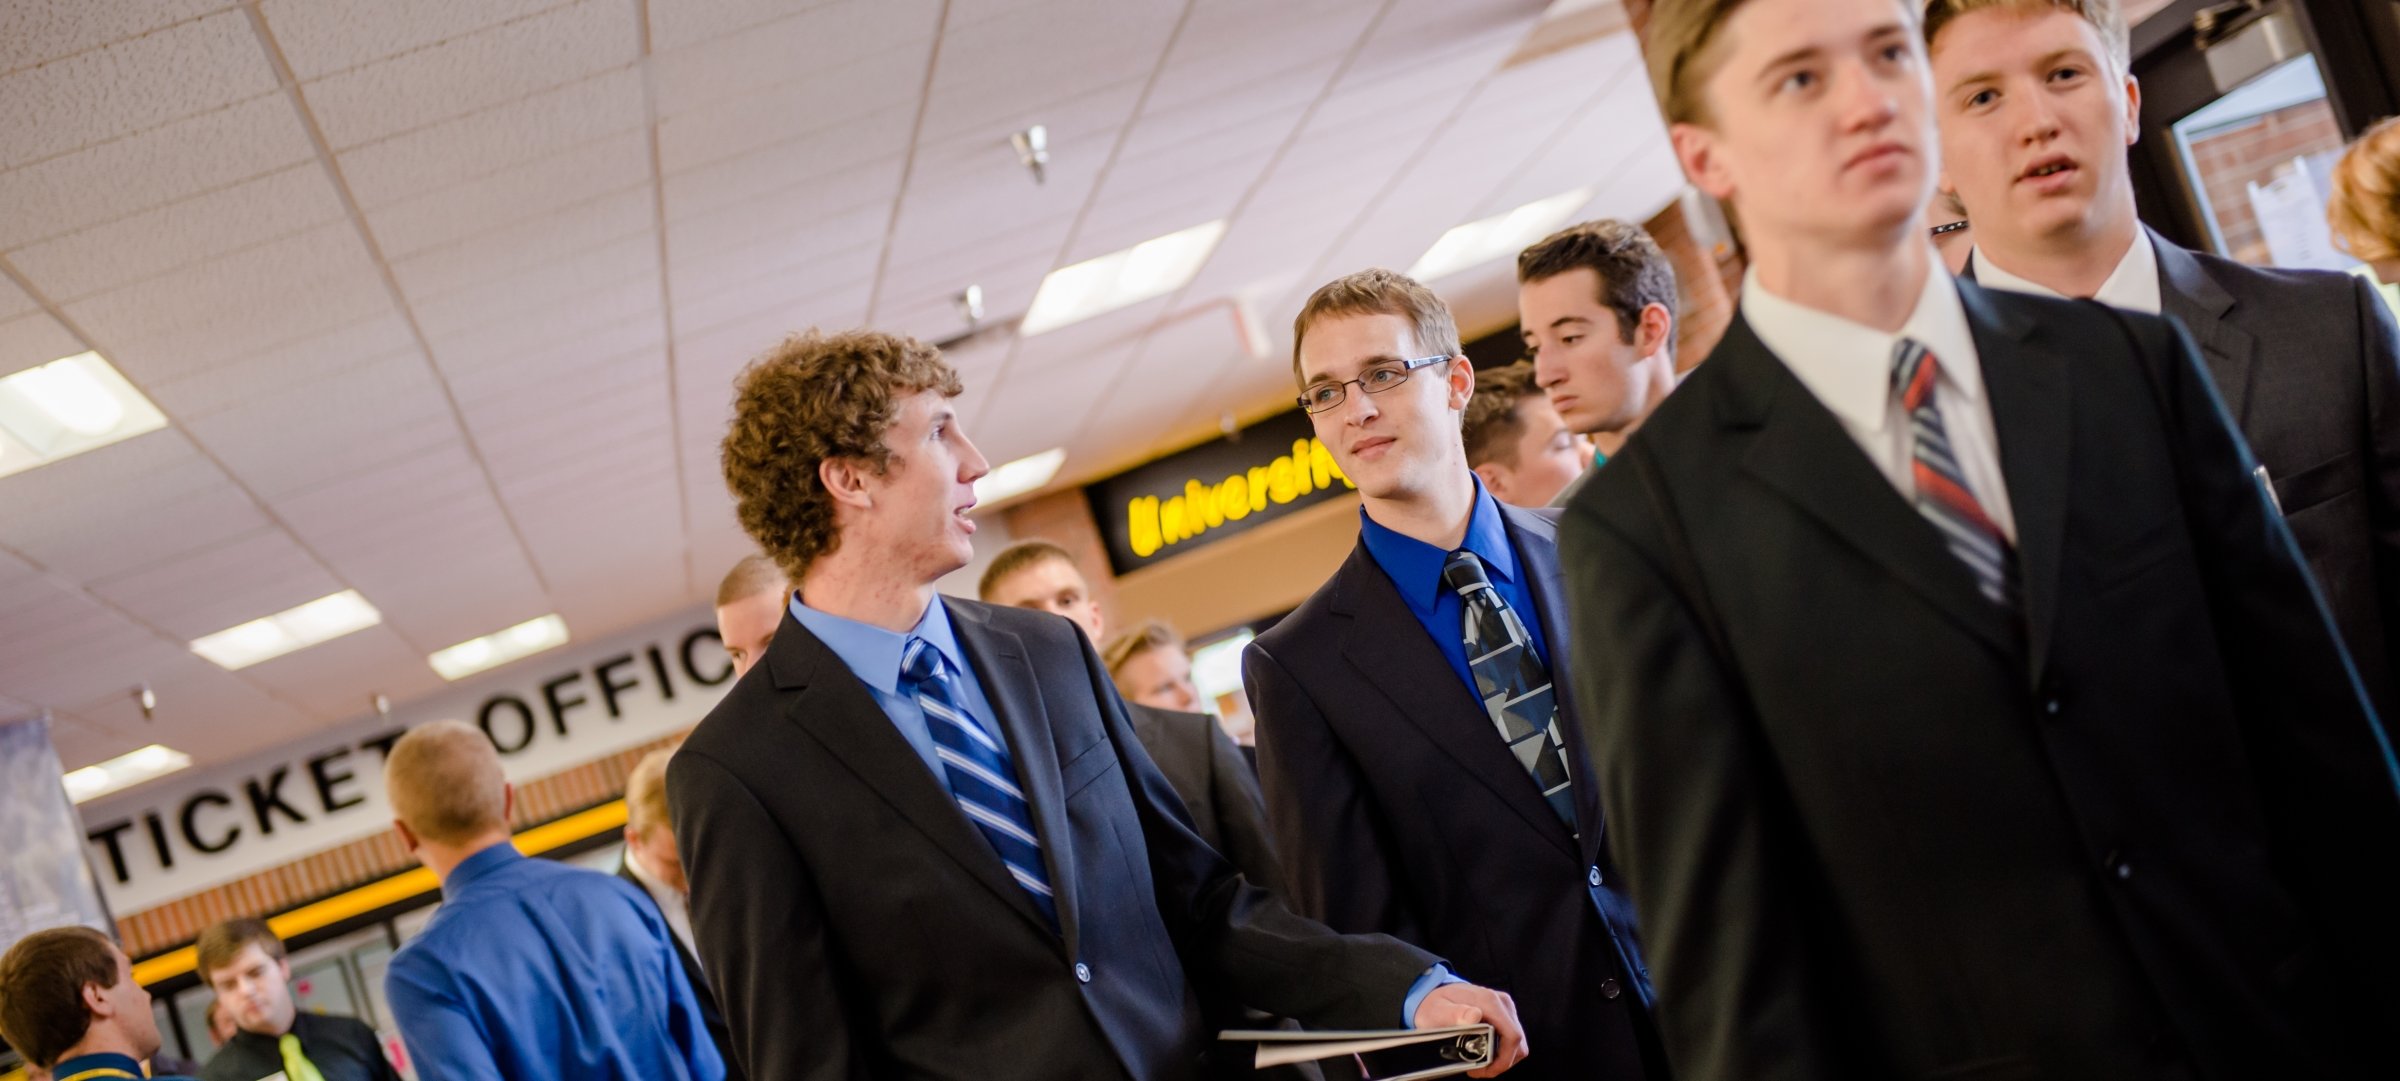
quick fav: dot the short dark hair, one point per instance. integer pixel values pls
(1017, 557)
(1493, 423)
(1634, 273)
(41, 989)
(219, 945)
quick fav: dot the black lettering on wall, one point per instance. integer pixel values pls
(604, 674)
(560, 706)
(322, 769)
(658, 664)
(107, 835)
(158, 840)
(381, 743)
(191, 827)
(270, 798)
(524, 713)
(691, 664)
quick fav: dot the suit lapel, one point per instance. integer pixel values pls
(1008, 681)
(823, 698)
(2032, 417)
(1536, 540)
(1803, 453)
(1388, 646)
(2194, 299)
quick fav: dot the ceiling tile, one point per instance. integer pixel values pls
(480, 144)
(610, 163)
(764, 56)
(31, 340)
(112, 179)
(677, 23)
(320, 37)
(254, 575)
(493, 255)
(222, 386)
(490, 67)
(228, 219)
(35, 31)
(133, 85)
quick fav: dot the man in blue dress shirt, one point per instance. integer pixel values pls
(530, 969)
(69, 1003)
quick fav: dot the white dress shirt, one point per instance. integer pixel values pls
(1848, 367)
(2133, 286)
(673, 903)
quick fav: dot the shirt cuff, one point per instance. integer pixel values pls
(1437, 976)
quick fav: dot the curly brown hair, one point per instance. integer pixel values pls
(814, 397)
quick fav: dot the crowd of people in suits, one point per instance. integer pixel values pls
(1959, 677)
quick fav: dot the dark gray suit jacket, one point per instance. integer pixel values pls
(1217, 785)
(856, 925)
(1878, 828)
(2308, 363)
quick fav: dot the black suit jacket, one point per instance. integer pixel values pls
(1880, 833)
(1217, 784)
(341, 1048)
(1397, 808)
(2308, 364)
(692, 974)
(858, 926)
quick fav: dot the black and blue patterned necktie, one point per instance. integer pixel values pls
(1513, 682)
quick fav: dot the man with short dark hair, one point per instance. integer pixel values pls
(2036, 108)
(1517, 442)
(922, 838)
(1596, 303)
(242, 961)
(69, 1004)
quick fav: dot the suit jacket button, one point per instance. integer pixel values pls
(1083, 972)
(1609, 989)
(1593, 878)
(2050, 706)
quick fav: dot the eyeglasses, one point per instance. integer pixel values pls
(1941, 230)
(1378, 378)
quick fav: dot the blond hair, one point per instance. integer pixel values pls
(1684, 48)
(2104, 15)
(2365, 209)
(1379, 292)
(1151, 635)
(445, 782)
(646, 792)
(754, 575)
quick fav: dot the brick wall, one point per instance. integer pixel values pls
(350, 866)
(2232, 159)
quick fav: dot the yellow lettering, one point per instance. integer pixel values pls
(1203, 504)
(1258, 487)
(1172, 524)
(1321, 466)
(1300, 477)
(1279, 482)
(1233, 498)
(1141, 525)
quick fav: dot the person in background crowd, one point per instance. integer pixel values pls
(70, 1005)
(2364, 211)
(220, 1023)
(1596, 303)
(1151, 667)
(1420, 770)
(242, 961)
(1953, 237)
(2036, 109)
(1517, 442)
(1962, 707)
(924, 840)
(749, 607)
(653, 863)
(530, 970)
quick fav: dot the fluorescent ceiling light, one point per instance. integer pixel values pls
(500, 647)
(66, 407)
(124, 771)
(1012, 479)
(1499, 235)
(1104, 284)
(320, 620)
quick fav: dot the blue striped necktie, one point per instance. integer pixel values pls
(1943, 495)
(982, 778)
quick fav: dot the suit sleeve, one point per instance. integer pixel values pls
(370, 1048)
(444, 1040)
(1241, 812)
(1234, 935)
(1338, 862)
(2380, 356)
(1700, 819)
(2325, 770)
(761, 930)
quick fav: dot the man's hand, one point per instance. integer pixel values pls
(1467, 1004)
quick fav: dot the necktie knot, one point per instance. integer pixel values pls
(1914, 370)
(296, 1066)
(920, 663)
(1463, 572)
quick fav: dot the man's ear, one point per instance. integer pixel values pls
(1656, 329)
(845, 479)
(408, 837)
(96, 1001)
(1495, 480)
(508, 802)
(2133, 110)
(1696, 151)
(1462, 381)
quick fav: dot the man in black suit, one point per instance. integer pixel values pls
(2036, 108)
(243, 962)
(655, 865)
(1199, 759)
(1960, 706)
(1421, 773)
(922, 839)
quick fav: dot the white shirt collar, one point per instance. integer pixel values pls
(2133, 286)
(1848, 365)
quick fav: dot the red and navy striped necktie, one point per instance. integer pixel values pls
(1943, 495)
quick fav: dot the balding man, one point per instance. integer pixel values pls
(749, 607)
(531, 969)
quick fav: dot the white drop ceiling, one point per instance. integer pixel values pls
(443, 298)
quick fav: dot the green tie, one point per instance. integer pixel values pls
(296, 1066)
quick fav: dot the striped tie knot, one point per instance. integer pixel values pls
(920, 662)
(1914, 373)
(1943, 496)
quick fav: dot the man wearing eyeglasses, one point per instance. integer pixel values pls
(1422, 773)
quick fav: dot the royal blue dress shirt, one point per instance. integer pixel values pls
(534, 970)
(1415, 568)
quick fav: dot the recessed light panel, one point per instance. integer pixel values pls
(66, 407)
(500, 647)
(1011, 479)
(1490, 238)
(1101, 285)
(124, 771)
(320, 620)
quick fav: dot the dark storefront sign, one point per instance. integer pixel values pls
(1203, 495)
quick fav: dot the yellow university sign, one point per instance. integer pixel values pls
(1221, 487)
